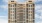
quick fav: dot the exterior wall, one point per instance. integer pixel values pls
(21, 13)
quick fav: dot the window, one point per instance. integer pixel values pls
(9, 5)
(9, 20)
(23, 16)
(11, 17)
(24, 22)
(28, 11)
(10, 11)
(13, 5)
(33, 20)
(33, 10)
(30, 5)
(10, 8)
(33, 5)
(28, 8)
(27, 16)
(27, 5)
(31, 14)
(30, 1)
(10, 14)
(15, 20)
(27, 20)
(13, 8)
(12, 1)
(13, 11)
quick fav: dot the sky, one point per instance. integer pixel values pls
(4, 11)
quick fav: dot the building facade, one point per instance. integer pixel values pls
(21, 12)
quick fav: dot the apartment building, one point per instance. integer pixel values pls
(21, 12)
